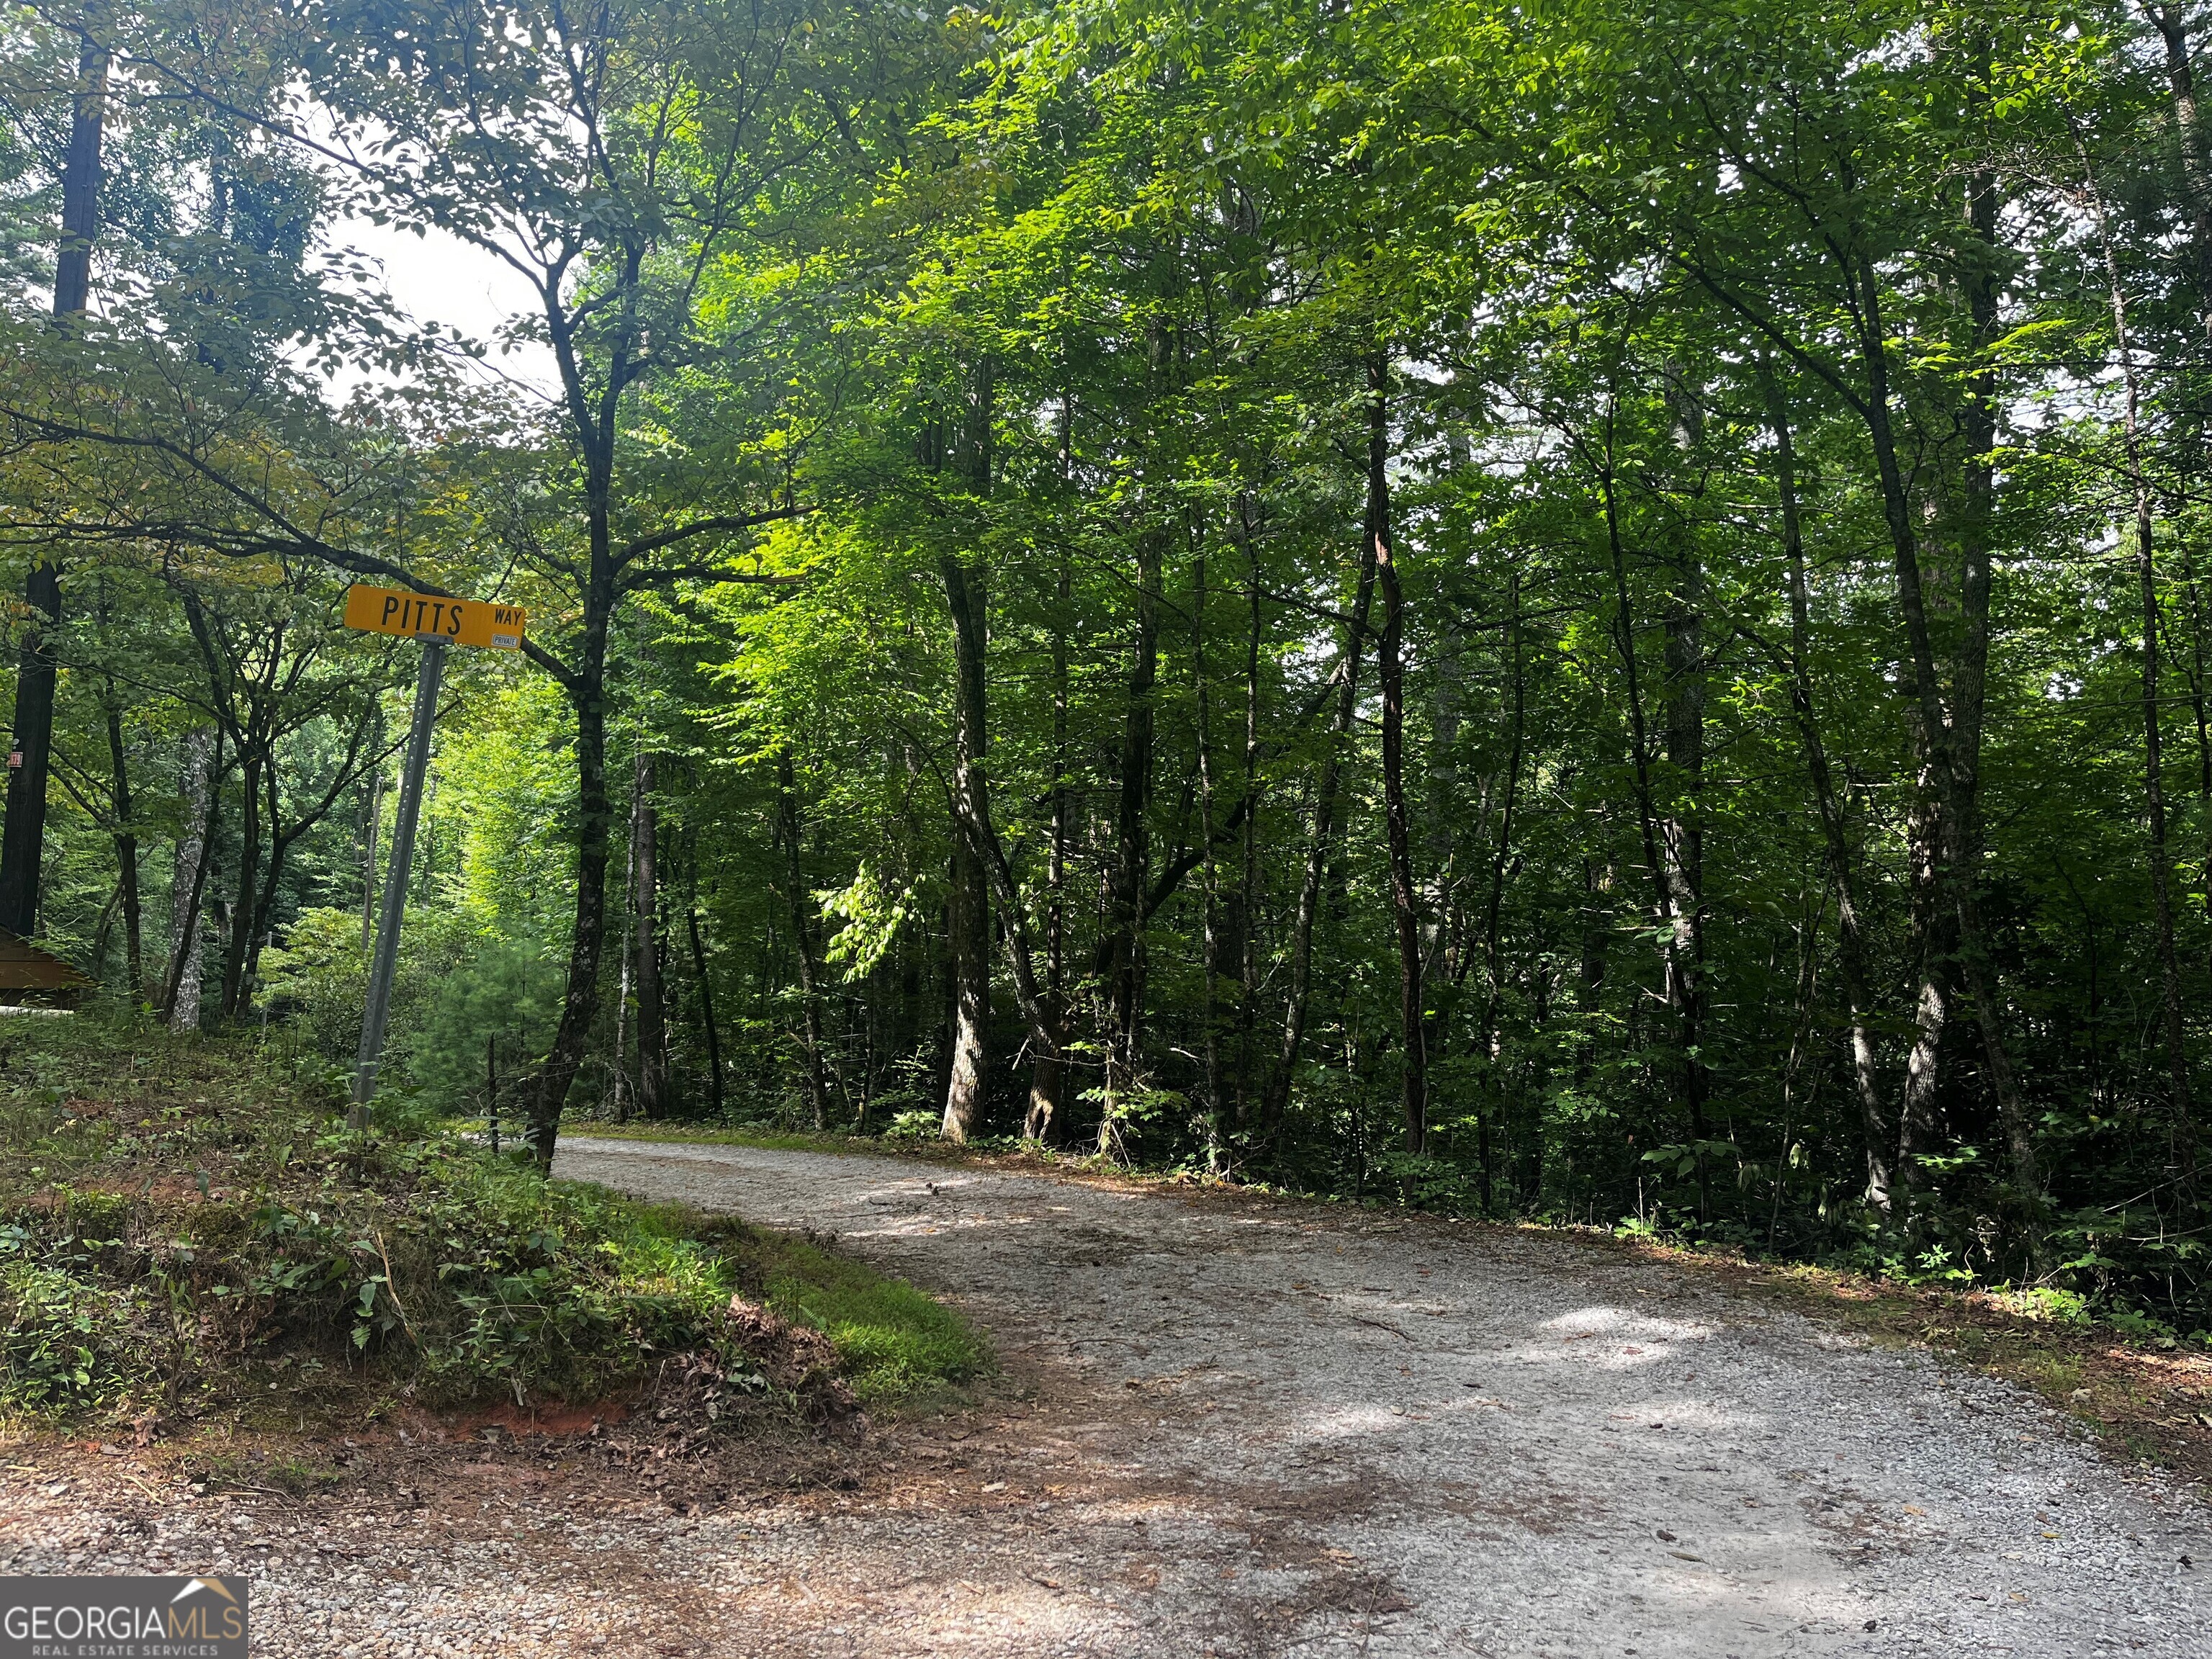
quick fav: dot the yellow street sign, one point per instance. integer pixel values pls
(425, 615)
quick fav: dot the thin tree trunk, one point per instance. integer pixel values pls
(1851, 942)
(802, 933)
(1979, 476)
(969, 912)
(626, 959)
(1389, 657)
(1322, 835)
(707, 1016)
(1682, 837)
(126, 849)
(1248, 889)
(2177, 1051)
(368, 850)
(1047, 1068)
(203, 790)
(967, 917)
(1124, 949)
(1493, 955)
(1639, 748)
(652, 1017)
(699, 969)
(1210, 889)
(1934, 950)
(587, 689)
(2198, 690)
(1955, 782)
(252, 760)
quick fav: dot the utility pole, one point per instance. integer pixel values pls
(378, 1009)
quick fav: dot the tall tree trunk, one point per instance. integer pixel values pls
(791, 833)
(1390, 658)
(1209, 884)
(652, 1017)
(2177, 1051)
(1048, 1067)
(1247, 886)
(1124, 951)
(596, 436)
(969, 911)
(1934, 950)
(23, 833)
(252, 759)
(126, 849)
(1663, 891)
(1851, 941)
(375, 808)
(2197, 694)
(1978, 477)
(699, 969)
(1493, 952)
(1956, 780)
(203, 792)
(706, 1015)
(626, 959)
(1682, 837)
(1321, 836)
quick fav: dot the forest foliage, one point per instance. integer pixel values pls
(1586, 613)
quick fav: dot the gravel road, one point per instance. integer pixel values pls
(1276, 1429)
(1229, 1428)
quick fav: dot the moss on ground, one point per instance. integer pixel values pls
(894, 1343)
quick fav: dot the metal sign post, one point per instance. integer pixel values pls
(378, 1007)
(438, 621)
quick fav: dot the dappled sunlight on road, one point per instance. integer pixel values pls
(1266, 1430)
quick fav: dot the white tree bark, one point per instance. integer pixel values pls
(185, 923)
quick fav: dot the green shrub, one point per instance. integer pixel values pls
(64, 1343)
(186, 1218)
(507, 989)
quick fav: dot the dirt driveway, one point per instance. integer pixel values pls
(1230, 1428)
(1279, 1430)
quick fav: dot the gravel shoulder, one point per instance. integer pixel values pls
(1234, 1427)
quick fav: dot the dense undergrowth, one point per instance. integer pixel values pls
(186, 1229)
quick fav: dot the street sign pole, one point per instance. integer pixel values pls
(395, 881)
(438, 620)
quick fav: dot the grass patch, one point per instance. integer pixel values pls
(254, 1469)
(895, 1345)
(187, 1231)
(780, 1141)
